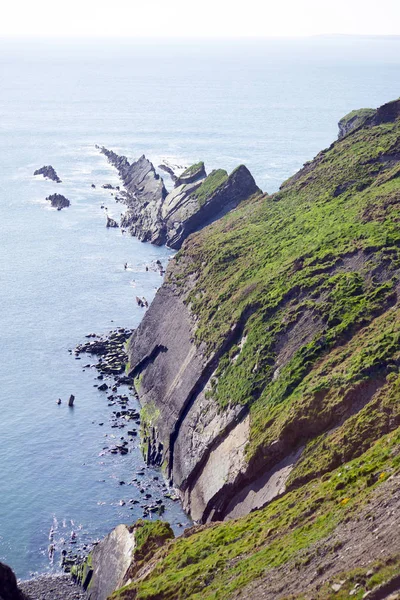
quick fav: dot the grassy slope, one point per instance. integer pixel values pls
(326, 249)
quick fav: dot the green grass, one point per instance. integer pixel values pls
(192, 169)
(277, 258)
(222, 558)
(150, 535)
(212, 182)
(309, 278)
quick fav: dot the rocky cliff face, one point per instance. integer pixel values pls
(261, 350)
(155, 216)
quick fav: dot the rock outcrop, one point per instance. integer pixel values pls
(144, 195)
(8, 585)
(58, 201)
(387, 113)
(111, 222)
(120, 556)
(48, 172)
(197, 200)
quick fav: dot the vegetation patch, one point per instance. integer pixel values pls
(209, 186)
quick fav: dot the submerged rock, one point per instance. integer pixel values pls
(48, 172)
(58, 201)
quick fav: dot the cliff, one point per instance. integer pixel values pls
(197, 200)
(268, 371)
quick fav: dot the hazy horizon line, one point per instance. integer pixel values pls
(200, 38)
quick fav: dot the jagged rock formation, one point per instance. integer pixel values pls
(120, 556)
(58, 201)
(145, 192)
(8, 585)
(197, 200)
(48, 172)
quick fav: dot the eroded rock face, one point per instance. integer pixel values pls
(8, 585)
(201, 448)
(48, 172)
(155, 216)
(58, 201)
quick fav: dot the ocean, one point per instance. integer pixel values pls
(270, 104)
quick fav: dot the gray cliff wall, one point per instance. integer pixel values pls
(200, 448)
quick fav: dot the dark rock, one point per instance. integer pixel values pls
(103, 387)
(58, 201)
(168, 170)
(48, 172)
(8, 585)
(93, 186)
(107, 186)
(111, 222)
(71, 400)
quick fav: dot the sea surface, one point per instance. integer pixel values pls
(269, 104)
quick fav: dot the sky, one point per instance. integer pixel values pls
(200, 19)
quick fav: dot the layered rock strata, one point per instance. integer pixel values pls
(249, 307)
(156, 216)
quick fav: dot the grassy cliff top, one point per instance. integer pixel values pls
(309, 279)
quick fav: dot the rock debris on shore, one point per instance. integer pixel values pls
(52, 587)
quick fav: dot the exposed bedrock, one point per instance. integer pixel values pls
(156, 216)
(201, 448)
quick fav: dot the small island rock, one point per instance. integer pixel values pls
(48, 172)
(58, 201)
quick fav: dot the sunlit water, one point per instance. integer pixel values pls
(269, 105)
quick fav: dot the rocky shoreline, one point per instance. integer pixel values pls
(52, 587)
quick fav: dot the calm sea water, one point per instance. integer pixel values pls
(271, 105)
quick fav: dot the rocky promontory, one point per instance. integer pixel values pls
(197, 200)
(58, 201)
(48, 172)
(229, 406)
